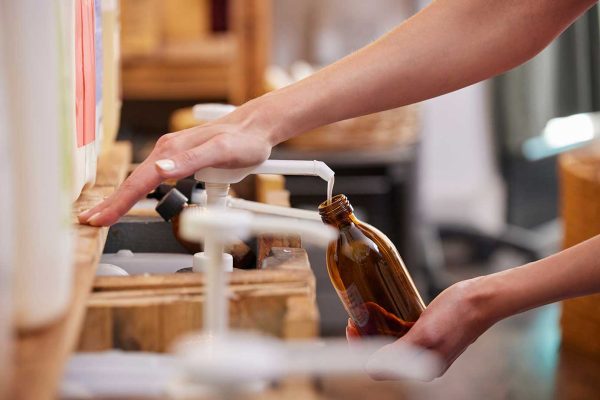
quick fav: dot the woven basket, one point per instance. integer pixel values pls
(580, 208)
(392, 128)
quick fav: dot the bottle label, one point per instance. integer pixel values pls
(355, 305)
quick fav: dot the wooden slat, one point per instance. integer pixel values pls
(40, 355)
(237, 277)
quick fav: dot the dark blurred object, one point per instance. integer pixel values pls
(185, 186)
(219, 12)
(142, 235)
(160, 192)
(171, 204)
(564, 79)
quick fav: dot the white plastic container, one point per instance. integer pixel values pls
(148, 263)
(38, 116)
(6, 227)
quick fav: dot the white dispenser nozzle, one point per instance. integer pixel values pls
(282, 167)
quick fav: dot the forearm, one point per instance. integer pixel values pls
(449, 45)
(570, 273)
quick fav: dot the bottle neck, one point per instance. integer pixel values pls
(338, 212)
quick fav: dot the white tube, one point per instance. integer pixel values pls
(295, 167)
(263, 208)
(216, 194)
(9, 220)
(311, 232)
(201, 262)
(216, 301)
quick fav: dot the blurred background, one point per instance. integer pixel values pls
(465, 184)
(446, 180)
(486, 178)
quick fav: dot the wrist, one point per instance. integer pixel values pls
(484, 299)
(266, 117)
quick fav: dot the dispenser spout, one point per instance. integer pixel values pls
(282, 167)
(292, 167)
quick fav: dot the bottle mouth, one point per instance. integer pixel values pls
(333, 210)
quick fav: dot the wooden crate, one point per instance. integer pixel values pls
(147, 313)
(580, 208)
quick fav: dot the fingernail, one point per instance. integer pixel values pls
(93, 218)
(166, 164)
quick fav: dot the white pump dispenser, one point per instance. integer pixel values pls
(216, 227)
(217, 180)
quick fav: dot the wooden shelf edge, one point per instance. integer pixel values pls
(40, 356)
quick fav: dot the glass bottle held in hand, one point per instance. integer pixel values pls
(369, 275)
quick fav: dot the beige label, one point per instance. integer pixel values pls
(354, 304)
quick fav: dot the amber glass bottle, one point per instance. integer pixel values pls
(369, 275)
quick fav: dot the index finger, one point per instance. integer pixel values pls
(136, 186)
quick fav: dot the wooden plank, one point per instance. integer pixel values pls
(251, 24)
(237, 277)
(101, 337)
(40, 355)
(266, 184)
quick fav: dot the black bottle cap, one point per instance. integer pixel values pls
(160, 191)
(186, 186)
(171, 204)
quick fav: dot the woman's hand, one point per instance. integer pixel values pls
(240, 139)
(453, 320)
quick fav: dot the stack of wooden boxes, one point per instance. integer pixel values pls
(170, 50)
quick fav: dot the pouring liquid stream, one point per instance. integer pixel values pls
(330, 183)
